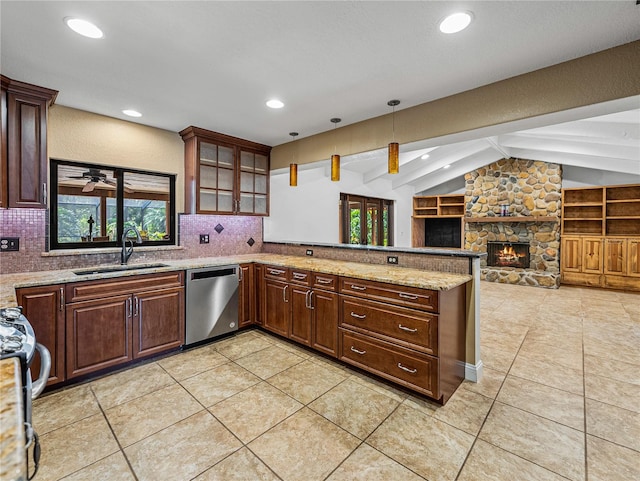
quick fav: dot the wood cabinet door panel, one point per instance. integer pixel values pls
(408, 327)
(276, 308)
(98, 334)
(633, 257)
(324, 336)
(615, 256)
(592, 255)
(27, 150)
(158, 321)
(246, 312)
(401, 295)
(300, 328)
(44, 308)
(400, 365)
(571, 254)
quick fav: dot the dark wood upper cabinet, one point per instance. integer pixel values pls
(224, 174)
(23, 173)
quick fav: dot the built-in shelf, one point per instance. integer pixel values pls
(528, 218)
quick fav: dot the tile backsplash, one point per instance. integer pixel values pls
(239, 235)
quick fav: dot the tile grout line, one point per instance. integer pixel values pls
(584, 401)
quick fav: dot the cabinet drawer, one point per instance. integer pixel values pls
(276, 272)
(401, 295)
(87, 290)
(409, 368)
(328, 282)
(413, 329)
(300, 277)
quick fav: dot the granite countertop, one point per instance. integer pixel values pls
(13, 463)
(384, 273)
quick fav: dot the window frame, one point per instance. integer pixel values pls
(345, 218)
(119, 173)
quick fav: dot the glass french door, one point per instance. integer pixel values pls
(366, 220)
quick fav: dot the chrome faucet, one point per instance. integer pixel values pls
(126, 252)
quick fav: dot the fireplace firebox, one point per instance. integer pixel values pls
(508, 254)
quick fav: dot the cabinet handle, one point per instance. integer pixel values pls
(353, 349)
(61, 299)
(297, 275)
(413, 297)
(44, 193)
(276, 272)
(358, 288)
(135, 310)
(358, 316)
(408, 329)
(412, 371)
(284, 293)
(311, 300)
(128, 307)
(320, 280)
(240, 274)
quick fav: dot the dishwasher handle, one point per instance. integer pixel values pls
(196, 276)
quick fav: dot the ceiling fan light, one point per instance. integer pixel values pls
(394, 158)
(293, 175)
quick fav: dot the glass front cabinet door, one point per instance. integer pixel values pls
(224, 174)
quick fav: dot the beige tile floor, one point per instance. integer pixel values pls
(560, 400)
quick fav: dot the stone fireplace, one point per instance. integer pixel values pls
(529, 193)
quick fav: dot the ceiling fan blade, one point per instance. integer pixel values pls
(89, 186)
(76, 177)
(108, 181)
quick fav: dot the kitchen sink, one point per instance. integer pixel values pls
(102, 270)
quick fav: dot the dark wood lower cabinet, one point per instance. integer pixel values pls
(324, 323)
(276, 307)
(98, 334)
(300, 330)
(158, 321)
(246, 307)
(44, 307)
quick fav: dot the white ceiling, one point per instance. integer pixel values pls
(214, 64)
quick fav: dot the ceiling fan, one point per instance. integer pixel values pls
(94, 177)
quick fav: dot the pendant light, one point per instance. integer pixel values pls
(394, 148)
(335, 158)
(293, 167)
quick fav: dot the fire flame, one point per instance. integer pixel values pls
(508, 253)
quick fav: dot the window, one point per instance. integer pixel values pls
(366, 220)
(91, 205)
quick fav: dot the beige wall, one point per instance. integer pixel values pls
(88, 137)
(600, 77)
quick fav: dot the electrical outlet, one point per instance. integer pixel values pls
(392, 259)
(204, 238)
(309, 252)
(9, 244)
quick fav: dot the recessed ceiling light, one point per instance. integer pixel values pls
(455, 22)
(132, 113)
(447, 166)
(83, 27)
(425, 157)
(275, 104)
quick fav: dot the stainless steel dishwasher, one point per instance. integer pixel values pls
(212, 302)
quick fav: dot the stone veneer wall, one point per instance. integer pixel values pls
(529, 188)
(30, 225)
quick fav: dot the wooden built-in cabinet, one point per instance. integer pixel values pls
(224, 174)
(24, 109)
(44, 307)
(600, 235)
(437, 221)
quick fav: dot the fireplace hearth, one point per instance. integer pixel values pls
(508, 254)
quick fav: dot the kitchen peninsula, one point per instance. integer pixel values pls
(412, 283)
